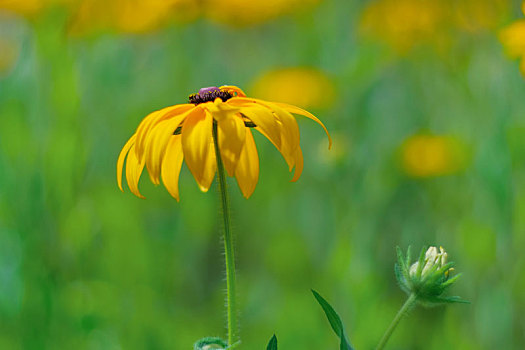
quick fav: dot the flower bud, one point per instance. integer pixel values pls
(427, 278)
(432, 257)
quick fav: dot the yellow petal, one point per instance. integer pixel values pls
(289, 133)
(233, 90)
(210, 167)
(134, 169)
(196, 140)
(289, 128)
(247, 172)
(300, 111)
(284, 146)
(231, 135)
(122, 157)
(299, 163)
(264, 120)
(153, 119)
(171, 165)
(157, 140)
(219, 109)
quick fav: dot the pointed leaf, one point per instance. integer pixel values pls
(272, 345)
(335, 321)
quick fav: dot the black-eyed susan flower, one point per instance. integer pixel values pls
(185, 132)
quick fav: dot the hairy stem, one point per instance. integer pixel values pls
(411, 301)
(228, 245)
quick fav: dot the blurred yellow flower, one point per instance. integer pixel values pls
(476, 15)
(30, 8)
(306, 87)
(129, 16)
(428, 155)
(186, 131)
(402, 23)
(22, 7)
(9, 51)
(513, 39)
(243, 12)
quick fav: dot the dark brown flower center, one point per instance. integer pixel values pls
(209, 94)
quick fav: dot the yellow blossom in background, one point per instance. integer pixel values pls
(189, 132)
(427, 155)
(513, 39)
(306, 87)
(22, 7)
(244, 12)
(129, 16)
(477, 15)
(403, 23)
(30, 8)
(9, 52)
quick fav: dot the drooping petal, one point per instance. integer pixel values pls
(299, 163)
(289, 133)
(300, 111)
(157, 140)
(288, 126)
(122, 157)
(197, 142)
(134, 169)
(247, 172)
(210, 167)
(153, 119)
(265, 121)
(231, 135)
(171, 165)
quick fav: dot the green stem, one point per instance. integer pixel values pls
(411, 301)
(228, 245)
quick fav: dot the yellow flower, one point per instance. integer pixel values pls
(185, 131)
(402, 23)
(477, 15)
(513, 39)
(243, 12)
(129, 16)
(305, 87)
(31, 8)
(22, 7)
(9, 52)
(427, 155)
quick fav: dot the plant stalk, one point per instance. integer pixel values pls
(409, 303)
(228, 245)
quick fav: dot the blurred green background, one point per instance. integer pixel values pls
(427, 114)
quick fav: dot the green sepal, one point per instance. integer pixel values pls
(420, 263)
(334, 320)
(272, 345)
(210, 341)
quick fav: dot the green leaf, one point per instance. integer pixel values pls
(272, 345)
(335, 321)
